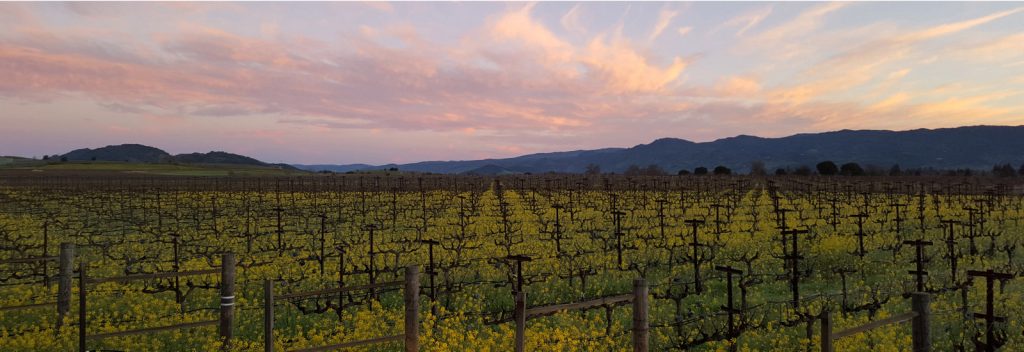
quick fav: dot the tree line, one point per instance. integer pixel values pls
(824, 168)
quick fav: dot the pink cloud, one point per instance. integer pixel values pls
(513, 80)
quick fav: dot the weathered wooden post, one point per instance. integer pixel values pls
(826, 331)
(520, 316)
(268, 315)
(46, 253)
(412, 308)
(82, 322)
(921, 325)
(227, 296)
(66, 266)
(641, 328)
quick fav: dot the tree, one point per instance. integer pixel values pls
(1004, 170)
(47, 157)
(632, 170)
(780, 172)
(827, 168)
(722, 170)
(1021, 170)
(653, 170)
(592, 169)
(683, 172)
(700, 170)
(757, 168)
(851, 169)
(895, 170)
(802, 170)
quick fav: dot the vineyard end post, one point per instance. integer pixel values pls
(826, 332)
(268, 315)
(921, 325)
(82, 322)
(66, 266)
(412, 308)
(520, 316)
(641, 326)
(227, 296)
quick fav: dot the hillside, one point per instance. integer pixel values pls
(129, 153)
(975, 147)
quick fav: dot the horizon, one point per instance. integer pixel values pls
(540, 152)
(381, 83)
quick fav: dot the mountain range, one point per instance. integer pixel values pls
(973, 147)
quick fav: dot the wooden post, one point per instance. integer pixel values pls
(227, 296)
(82, 322)
(826, 332)
(520, 317)
(46, 253)
(66, 265)
(412, 308)
(921, 325)
(641, 328)
(268, 316)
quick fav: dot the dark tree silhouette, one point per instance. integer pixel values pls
(802, 170)
(851, 169)
(757, 168)
(827, 168)
(700, 170)
(654, 170)
(632, 170)
(1004, 170)
(895, 170)
(593, 169)
(780, 172)
(722, 170)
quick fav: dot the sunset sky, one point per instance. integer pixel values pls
(401, 82)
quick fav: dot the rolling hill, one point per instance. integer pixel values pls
(974, 147)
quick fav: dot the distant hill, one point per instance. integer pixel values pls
(337, 168)
(974, 147)
(138, 153)
(129, 153)
(215, 158)
(490, 170)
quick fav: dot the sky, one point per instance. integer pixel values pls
(378, 82)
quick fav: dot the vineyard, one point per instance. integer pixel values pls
(567, 262)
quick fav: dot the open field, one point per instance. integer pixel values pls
(586, 237)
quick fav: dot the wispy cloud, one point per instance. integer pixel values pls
(746, 22)
(571, 20)
(519, 79)
(664, 19)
